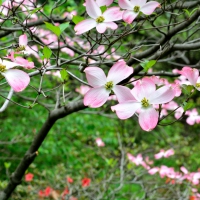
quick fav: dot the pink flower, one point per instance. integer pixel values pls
(23, 41)
(103, 2)
(146, 96)
(47, 191)
(86, 182)
(16, 78)
(99, 142)
(134, 7)
(193, 117)
(83, 89)
(70, 180)
(103, 86)
(98, 19)
(138, 160)
(29, 177)
(165, 154)
(64, 193)
(192, 75)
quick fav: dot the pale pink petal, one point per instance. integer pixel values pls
(23, 40)
(96, 97)
(123, 93)
(128, 16)
(126, 4)
(85, 26)
(148, 118)
(159, 155)
(93, 9)
(104, 2)
(126, 110)
(111, 25)
(139, 3)
(25, 63)
(112, 14)
(143, 88)
(149, 7)
(153, 170)
(101, 27)
(191, 74)
(169, 153)
(119, 71)
(95, 76)
(17, 79)
(9, 64)
(162, 95)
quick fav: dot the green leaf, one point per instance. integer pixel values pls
(54, 29)
(7, 165)
(187, 12)
(187, 89)
(147, 64)
(64, 74)
(35, 10)
(63, 26)
(193, 11)
(76, 19)
(41, 55)
(103, 8)
(187, 105)
(47, 52)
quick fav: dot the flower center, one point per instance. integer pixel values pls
(145, 102)
(136, 9)
(198, 85)
(20, 48)
(100, 19)
(2, 68)
(109, 85)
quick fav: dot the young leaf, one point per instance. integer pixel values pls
(147, 64)
(54, 29)
(103, 9)
(188, 105)
(7, 165)
(64, 74)
(63, 26)
(76, 19)
(47, 52)
(187, 89)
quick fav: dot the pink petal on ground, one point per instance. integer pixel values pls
(149, 7)
(139, 3)
(125, 4)
(85, 26)
(123, 93)
(95, 76)
(112, 14)
(126, 110)
(96, 97)
(101, 27)
(148, 118)
(143, 88)
(162, 95)
(93, 9)
(128, 16)
(23, 40)
(17, 79)
(103, 2)
(119, 71)
(191, 74)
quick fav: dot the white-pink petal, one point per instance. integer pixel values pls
(119, 71)
(9, 64)
(123, 93)
(23, 40)
(101, 27)
(139, 3)
(126, 4)
(96, 97)
(112, 14)
(148, 118)
(85, 26)
(126, 110)
(149, 7)
(104, 2)
(17, 79)
(128, 16)
(95, 76)
(93, 9)
(162, 95)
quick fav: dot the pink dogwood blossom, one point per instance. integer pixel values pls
(16, 78)
(192, 75)
(100, 142)
(100, 20)
(134, 7)
(165, 154)
(145, 95)
(103, 2)
(102, 85)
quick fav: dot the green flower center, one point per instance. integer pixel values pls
(100, 19)
(20, 48)
(109, 85)
(145, 102)
(2, 68)
(198, 85)
(136, 9)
